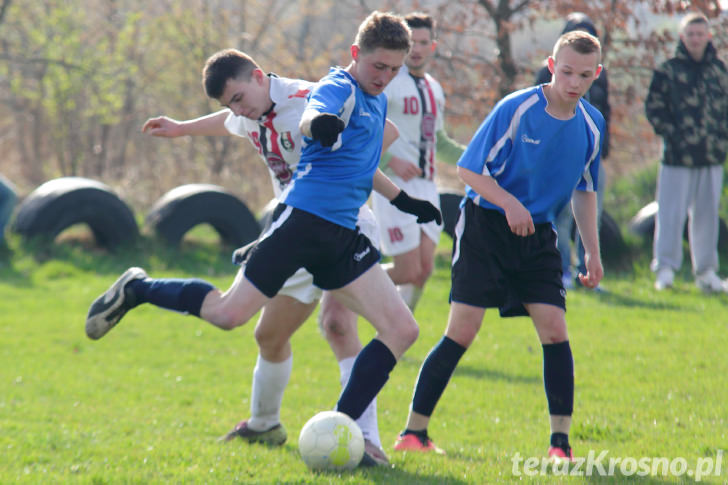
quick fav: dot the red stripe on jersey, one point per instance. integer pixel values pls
(433, 107)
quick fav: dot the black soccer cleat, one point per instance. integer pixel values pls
(106, 310)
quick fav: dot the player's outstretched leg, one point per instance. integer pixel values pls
(106, 310)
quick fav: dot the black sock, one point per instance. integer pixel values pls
(420, 433)
(368, 375)
(182, 295)
(558, 378)
(560, 440)
(435, 374)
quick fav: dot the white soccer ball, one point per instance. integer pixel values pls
(331, 441)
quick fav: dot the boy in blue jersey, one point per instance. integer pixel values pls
(521, 167)
(315, 226)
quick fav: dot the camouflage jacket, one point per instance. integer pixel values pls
(687, 105)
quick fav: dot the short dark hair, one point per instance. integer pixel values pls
(582, 42)
(385, 30)
(223, 65)
(420, 20)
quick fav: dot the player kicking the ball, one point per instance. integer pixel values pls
(266, 109)
(336, 167)
(521, 167)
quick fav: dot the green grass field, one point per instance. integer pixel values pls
(147, 403)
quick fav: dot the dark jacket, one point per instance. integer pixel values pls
(598, 94)
(687, 105)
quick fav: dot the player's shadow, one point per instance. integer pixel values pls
(391, 474)
(480, 372)
(619, 299)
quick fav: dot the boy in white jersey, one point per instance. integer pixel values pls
(276, 104)
(521, 167)
(335, 252)
(416, 104)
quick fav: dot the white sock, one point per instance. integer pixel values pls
(410, 294)
(269, 381)
(368, 420)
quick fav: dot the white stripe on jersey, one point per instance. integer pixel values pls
(595, 131)
(345, 114)
(509, 134)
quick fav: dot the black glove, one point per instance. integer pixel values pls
(241, 255)
(326, 128)
(424, 211)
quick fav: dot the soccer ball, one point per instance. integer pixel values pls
(331, 441)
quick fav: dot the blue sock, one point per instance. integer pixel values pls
(558, 378)
(434, 375)
(181, 295)
(369, 374)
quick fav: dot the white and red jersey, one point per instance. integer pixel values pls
(276, 134)
(416, 105)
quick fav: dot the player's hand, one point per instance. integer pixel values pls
(163, 126)
(423, 209)
(241, 255)
(519, 219)
(594, 271)
(326, 128)
(404, 169)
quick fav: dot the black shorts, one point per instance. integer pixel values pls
(492, 267)
(335, 255)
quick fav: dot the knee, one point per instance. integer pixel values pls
(269, 339)
(411, 274)
(337, 325)
(408, 332)
(424, 273)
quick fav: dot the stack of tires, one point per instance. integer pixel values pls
(61, 203)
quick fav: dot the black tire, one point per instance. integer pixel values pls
(611, 242)
(60, 203)
(643, 224)
(450, 208)
(186, 206)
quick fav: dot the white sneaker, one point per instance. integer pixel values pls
(709, 282)
(665, 277)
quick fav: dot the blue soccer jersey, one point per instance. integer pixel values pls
(334, 182)
(537, 158)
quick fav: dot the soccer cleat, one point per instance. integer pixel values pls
(709, 282)
(664, 279)
(373, 455)
(106, 310)
(412, 442)
(273, 436)
(558, 454)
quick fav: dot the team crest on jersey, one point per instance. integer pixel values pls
(428, 126)
(279, 168)
(287, 141)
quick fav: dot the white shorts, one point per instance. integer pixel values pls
(399, 231)
(300, 286)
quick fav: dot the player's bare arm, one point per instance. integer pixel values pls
(584, 205)
(208, 125)
(404, 169)
(518, 217)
